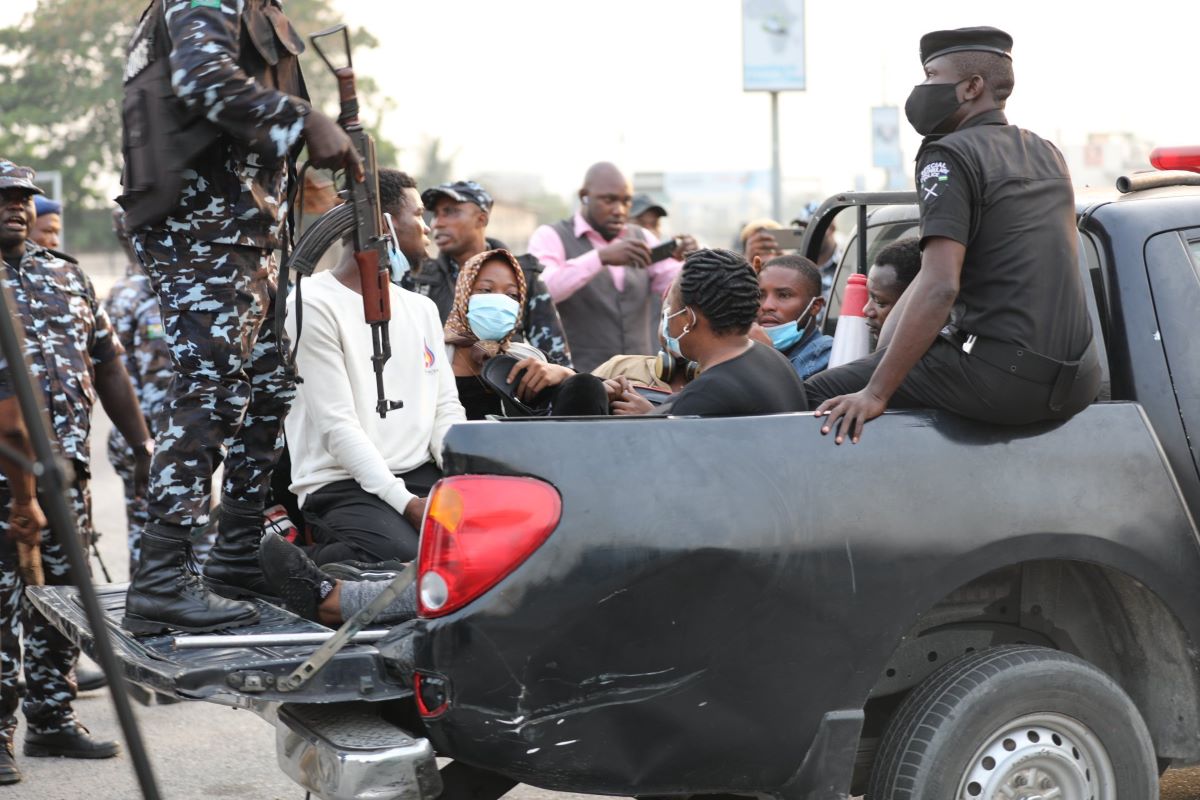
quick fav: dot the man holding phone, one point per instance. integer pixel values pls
(604, 273)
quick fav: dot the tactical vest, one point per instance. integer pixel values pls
(599, 321)
(160, 136)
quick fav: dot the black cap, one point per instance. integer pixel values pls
(459, 192)
(643, 203)
(13, 176)
(985, 39)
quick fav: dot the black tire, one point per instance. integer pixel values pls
(1005, 696)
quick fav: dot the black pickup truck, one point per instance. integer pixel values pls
(736, 606)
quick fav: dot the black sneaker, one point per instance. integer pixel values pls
(72, 741)
(293, 576)
(362, 571)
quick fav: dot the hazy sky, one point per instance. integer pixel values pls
(549, 86)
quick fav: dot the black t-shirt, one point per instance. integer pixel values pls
(1005, 194)
(477, 400)
(760, 381)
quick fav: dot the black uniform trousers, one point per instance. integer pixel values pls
(348, 523)
(950, 379)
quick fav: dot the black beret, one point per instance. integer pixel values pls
(988, 40)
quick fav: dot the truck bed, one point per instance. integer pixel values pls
(230, 675)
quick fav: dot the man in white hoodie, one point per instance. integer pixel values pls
(362, 481)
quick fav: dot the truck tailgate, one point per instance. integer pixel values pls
(230, 675)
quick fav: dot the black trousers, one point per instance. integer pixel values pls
(349, 523)
(948, 378)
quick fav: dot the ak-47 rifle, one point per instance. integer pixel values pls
(370, 251)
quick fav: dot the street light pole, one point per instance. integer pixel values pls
(776, 171)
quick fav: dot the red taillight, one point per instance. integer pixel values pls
(1185, 158)
(477, 530)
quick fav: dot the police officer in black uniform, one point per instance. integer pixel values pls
(999, 261)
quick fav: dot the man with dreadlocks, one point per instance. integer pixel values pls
(707, 317)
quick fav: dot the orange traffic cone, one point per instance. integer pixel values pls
(852, 337)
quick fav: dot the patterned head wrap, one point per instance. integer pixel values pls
(458, 330)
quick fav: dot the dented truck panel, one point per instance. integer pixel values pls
(715, 588)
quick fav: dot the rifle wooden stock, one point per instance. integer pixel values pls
(377, 297)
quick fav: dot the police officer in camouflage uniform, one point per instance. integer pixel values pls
(223, 143)
(133, 309)
(461, 211)
(74, 359)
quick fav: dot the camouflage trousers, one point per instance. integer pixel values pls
(49, 656)
(137, 512)
(231, 388)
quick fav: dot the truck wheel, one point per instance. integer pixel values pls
(1016, 723)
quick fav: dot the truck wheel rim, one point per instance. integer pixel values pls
(1040, 757)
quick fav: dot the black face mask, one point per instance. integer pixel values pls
(931, 104)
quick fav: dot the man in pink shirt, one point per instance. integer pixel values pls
(599, 270)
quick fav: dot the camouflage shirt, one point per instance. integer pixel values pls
(136, 318)
(67, 333)
(238, 194)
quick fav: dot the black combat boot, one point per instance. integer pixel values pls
(167, 592)
(69, 739)
(232, 567)
(9, 773)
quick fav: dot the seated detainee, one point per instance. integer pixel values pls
(362, 480)
(706, 318)
(791, 303)
(488, 300)
(894, 269)
(663, 372)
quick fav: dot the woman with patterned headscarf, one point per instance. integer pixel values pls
(485, 318)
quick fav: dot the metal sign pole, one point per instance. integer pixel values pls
(776, 170)
(52, 486)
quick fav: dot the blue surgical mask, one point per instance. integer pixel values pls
(492, 316)
(672, 344)
(785, 336)
(397, 263)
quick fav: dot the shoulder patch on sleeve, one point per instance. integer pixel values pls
(934, 176)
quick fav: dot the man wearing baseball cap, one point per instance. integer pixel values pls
(461, 212)
(75, 357)
(1019, 349)
(647, 213)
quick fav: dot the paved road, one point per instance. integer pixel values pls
(201, 750)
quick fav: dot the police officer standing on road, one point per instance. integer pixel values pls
(999, 259)
(215, 108)
(74, 359)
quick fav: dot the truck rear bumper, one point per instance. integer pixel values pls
(346, 751)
